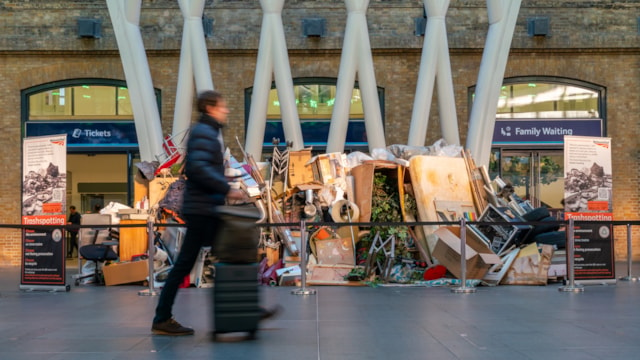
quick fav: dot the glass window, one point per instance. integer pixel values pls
(547, 101)
(314, 101)
(97, 102)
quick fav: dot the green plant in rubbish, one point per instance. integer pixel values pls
(385, 207)
(375, 282)
(356, 274)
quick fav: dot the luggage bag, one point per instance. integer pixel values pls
(236, 299)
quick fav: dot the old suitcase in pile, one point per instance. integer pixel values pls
(236, 306)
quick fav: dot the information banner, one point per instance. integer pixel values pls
(588, 187)
(44, 190)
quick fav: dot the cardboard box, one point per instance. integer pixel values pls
(126, 272)
(328, 168)
(479, 257)
(299, 172)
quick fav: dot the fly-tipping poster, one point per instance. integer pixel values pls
(44, 189)
(588, 188)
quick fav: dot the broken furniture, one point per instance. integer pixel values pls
(502, 235)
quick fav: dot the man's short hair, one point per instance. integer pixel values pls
(72, 207)
(208, 98)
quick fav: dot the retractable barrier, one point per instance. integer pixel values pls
(571, 285)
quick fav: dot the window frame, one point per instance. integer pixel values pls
(318, 147)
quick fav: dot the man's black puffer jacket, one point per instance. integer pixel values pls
(206, 184)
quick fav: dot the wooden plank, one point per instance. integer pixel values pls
(363, 177)
(140, 187)
(133, 240)
(474, 182)
(438, 178)
(330, 275)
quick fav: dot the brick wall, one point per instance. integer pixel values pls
(595, 41)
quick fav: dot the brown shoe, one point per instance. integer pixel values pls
(170, 327)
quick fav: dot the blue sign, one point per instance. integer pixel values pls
(543, 132)
(111, 134)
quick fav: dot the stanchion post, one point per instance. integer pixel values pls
(629, 253)
(571, 287)
(303, 290)
(463, 288)
(152, 252)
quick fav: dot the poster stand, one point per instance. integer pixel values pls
(588, 201)
(50, 288)
(44, 213)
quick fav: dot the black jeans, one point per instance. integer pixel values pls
(201, 231)
(73, 242)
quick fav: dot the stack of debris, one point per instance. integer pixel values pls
(361, 209)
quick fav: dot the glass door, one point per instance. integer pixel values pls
(537, 176)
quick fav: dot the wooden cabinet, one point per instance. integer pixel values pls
(133, 240)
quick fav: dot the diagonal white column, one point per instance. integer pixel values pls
(344, 88)
(434, 61)
(444, 82)
(125, 17)
(272, 58)
(193, 60)
(435, 10)
(356, 54)
(502, 20)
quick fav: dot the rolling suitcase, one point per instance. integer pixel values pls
(235, 286)
(236, 299)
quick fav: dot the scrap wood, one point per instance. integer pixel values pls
(330, 275)
(480, 178)
(255, 170)
(437, 177)
(475, 181)
(421, 244)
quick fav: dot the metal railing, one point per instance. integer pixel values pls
(303, 225)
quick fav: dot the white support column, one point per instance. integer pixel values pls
(261, 86)
(435, 60)
(284, 81)
(125, 16)
(502, 19)
(356, 54)
(272, 58)
(344, 89)
(444, 82)
(194, 69)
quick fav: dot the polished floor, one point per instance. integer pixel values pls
(504, 322)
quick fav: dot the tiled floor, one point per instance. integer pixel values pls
(505, 322)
